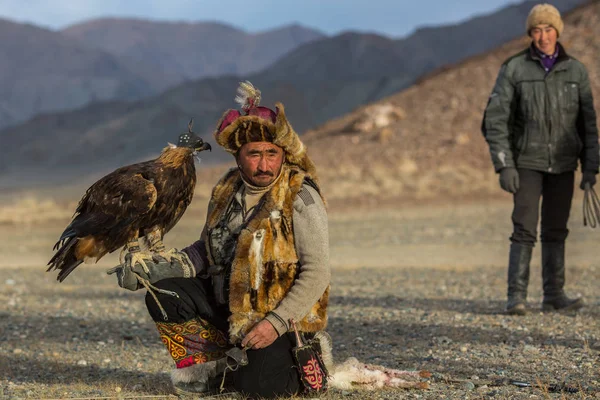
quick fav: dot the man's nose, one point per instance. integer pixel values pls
(262, 164)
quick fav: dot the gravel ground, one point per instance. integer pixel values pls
(419, 288)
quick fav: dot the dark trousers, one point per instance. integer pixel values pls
(271, 371)
(556, 191)
(195, 299)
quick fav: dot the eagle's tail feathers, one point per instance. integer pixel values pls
(65, 258)
(66, 251)
(65, 271)
(89, 224)
(68, 233)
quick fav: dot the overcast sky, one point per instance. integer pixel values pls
(394, 18)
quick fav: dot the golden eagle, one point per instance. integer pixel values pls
(144, 199)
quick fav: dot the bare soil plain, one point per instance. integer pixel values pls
(413, 287)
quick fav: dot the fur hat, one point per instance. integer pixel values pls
(261, 124)
(545, 14)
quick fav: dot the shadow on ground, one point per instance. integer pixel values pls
(53, 373)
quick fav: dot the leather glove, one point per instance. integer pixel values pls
(588, 177)
(509, 179)
(128, 276)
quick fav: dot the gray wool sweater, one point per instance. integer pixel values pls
(311, 236)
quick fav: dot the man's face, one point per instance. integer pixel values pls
(260, 162)
(544, 38)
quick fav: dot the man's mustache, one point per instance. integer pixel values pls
(263, 173)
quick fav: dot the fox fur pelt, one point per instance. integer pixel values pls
(265, 265)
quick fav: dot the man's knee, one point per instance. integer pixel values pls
(164, 302)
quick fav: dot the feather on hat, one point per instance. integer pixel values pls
(261, 124)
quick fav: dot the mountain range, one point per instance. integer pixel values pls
(123, 59)
(319, 80)
(178, 52)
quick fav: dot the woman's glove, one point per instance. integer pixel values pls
(157, 268)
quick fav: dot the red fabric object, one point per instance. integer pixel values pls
(231, 116)
(264, 113)
(261, 112)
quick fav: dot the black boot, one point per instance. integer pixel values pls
(518, 278)
(553, 275)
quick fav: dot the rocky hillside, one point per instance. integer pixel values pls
(425, 142)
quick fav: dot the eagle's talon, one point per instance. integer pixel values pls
(172, 254)
(122, 255)
(140, 258)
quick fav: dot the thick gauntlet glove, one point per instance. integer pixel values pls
(157, 268)
(509, 179)
(126, 278)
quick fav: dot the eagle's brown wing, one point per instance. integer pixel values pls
(111, 213)
(179, 203)
(122, 193)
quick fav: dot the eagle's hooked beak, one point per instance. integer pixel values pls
(205, 146)
(198, 147)
(202, 147)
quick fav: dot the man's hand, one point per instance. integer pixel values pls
(588, 177)
(509, 179)
(261, 336)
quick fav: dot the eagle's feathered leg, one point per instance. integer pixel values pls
(153, 237)
(156, 245)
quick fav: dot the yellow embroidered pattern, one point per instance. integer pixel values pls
(192, 342)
